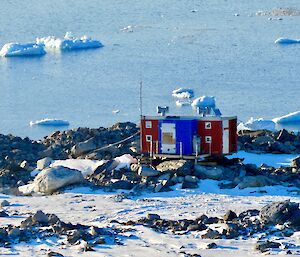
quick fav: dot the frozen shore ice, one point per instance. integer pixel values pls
(20, 50)
(183, 93)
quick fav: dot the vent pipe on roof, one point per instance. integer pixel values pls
(162, 110)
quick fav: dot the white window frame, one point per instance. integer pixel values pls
(208, 139)
(148, 124)
(207, 125)
(148, 138)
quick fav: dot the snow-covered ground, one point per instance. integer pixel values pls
(82, 205)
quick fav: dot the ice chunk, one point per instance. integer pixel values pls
(181, 103)
(50, 122)
(286, 41)
(204, 101)
(257, 124)
(289, 118)
(18, 50)
(183, 93)
(69, 43)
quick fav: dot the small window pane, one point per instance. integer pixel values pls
(148, 124)
(148, 138)
(208, 139)
(207, 125)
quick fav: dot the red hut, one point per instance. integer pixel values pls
(207, 134)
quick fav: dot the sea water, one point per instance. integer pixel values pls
(217, 48)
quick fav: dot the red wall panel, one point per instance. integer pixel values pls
(216, 134)
(153, 131)
(233, 135)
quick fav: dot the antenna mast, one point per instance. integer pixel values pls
(141, 99)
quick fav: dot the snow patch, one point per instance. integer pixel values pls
(124, 161)
(50, 122)
(183, 93)
(69, 42)
(286, 41)
(86, 167)
(19, 50)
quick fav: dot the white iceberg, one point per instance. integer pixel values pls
(204, 101)
(183, 93)
(69, 43)
(257, 124)
(286, 41)
(289, 118)
(50, 122)
(181, 103)
(18, 50)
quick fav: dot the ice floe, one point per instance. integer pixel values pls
(289, 118)
(257, 124)
(286, 41)
(183, 93)
(50, 122)
(69, 42)
(204, 101)
(18, 50)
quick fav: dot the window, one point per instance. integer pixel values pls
(208, 139)
(207, 125)
(148, 138)
(148, 124)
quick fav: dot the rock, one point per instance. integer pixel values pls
(74, 237)
(152, 216)
(99, 241)
(205, 172)
(196, 227)
(3, 214)
(14, 233)
(44, 163)
(147, 172)
(191, 179)
(40, 217)
(3, 235)
(52, 219)
(267, 245)
(4, 203)
(50, 180)
(211, 234)
(229, 216)
(180, 167)
(54, 254)
(84, 147)
(255, 181)
(296, 162)
(278, 212)
(212, 246)
(186, 184)
(25, 165)
(122, 184)
(284, 136)
(295, 219)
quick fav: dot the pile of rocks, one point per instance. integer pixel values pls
(18, 156)
(86, 142)
(270, 142)
(261, 223)
(43, 226)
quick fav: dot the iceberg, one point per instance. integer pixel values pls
(286, 41)
(20, 50)
(183, 93)
(204, 101)
(181, 103)
(50, 122)
(69, 43)
(257, 124)
(289, 118)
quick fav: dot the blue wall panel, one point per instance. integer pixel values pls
(185, 129)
